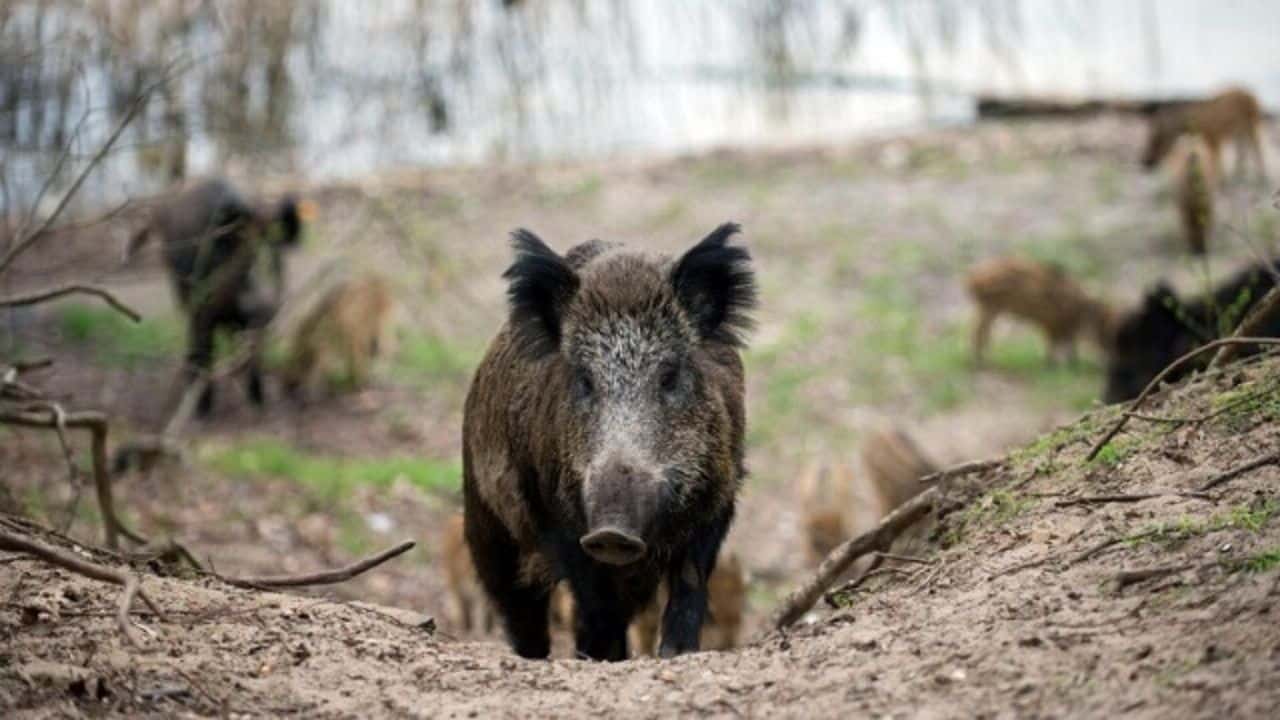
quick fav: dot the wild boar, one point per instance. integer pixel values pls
(841, 503)
(603, 438)
(469, 608)
(1041, 293)
(1165, 327)
(216, 245)
(726, 601)
(1232, 115)
(350, 326)
(1194, 182)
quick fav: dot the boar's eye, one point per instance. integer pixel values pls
(669, 378)
(581, 385)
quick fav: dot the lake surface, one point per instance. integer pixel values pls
(337, 89)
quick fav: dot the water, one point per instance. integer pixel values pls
(339, 89)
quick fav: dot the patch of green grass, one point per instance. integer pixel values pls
(1081, 253)
(1251, 518)
(115, 339)
(333, 478)
(1259, 562)
(785, 377)
(1249, 405)
(433, 359)
(1109, 183)
(991, 510)
(673, 212)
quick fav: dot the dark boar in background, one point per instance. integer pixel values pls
(1165, 327)
(602, 438)
(216, 247)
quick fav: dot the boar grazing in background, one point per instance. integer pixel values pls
(349, 328)
(841, 502)
(216, 247)
(469, 609)
(1165, 327)
(1231, 115)
(1195, 181)
(1040, 293)
(602, 438)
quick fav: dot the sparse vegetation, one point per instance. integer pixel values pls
(332, 478)
(116, 340)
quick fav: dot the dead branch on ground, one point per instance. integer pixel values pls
(1262, 314)
(1130, 498)
(96, 424)
(1126, 578)
(1155, 383)
(326, 577)
(130, 583)
(955, 471)
(1222, 477)
(838, 560)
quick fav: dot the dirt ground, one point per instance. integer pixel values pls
(860, 251)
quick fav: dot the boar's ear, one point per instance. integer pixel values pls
(1161, 298)
(541, 282)
(715, 285)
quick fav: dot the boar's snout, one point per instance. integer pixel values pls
(621, 501)
(613, 546)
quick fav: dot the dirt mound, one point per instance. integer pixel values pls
(1060, 587)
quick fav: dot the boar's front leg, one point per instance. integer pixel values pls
(687, 577)
(523, 606)
(603, 607)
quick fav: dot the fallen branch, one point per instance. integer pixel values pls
(1233, 473)
(36, 298)
(1262, 315)
(96, 424)
(832, 598)
(1126, 578)
(838, 560)
(1155, 383)
(966, 468)
(327, 577)
(1137, 497)
(130, 583)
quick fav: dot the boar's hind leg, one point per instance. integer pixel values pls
(199, 361)
(497, 557)
(687, 577)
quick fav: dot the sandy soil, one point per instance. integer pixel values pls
(1003, 623)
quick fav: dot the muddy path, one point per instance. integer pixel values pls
(860, 252)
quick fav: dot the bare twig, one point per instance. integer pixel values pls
(832, 598)
(1126, 578)
(327, 577)
(802, 598)
(24, 243)
(1137, 497)
(53, 556)
(96, 424)
(1233, 473)
(967, 468)
(1155, 383)
(1262, 314)
(46, 295)
(1109, 542)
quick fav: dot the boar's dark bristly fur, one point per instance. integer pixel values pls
(602, 438)
(1165, 327)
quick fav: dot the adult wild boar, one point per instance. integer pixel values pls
(1165, 327)
(602, 438)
